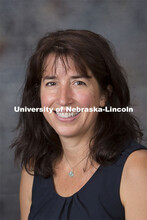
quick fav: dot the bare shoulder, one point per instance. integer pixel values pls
(136, 163)
(26, 184)
(133, 188)
(27, 180)
(135, 168)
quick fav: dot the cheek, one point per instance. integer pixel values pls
(43, 99)
(86, 99)
(46, 100)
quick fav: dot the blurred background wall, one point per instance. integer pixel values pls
(22, 23)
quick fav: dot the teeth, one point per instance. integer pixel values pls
(67, 115)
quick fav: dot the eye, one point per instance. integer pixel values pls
(80, 83)
(50, 84)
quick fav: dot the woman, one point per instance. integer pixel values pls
(81, 164)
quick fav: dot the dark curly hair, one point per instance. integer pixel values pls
(38, 145)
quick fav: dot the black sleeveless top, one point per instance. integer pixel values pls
(98, 199)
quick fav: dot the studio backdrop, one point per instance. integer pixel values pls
(22, 23)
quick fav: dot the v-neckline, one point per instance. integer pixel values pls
(81, 189)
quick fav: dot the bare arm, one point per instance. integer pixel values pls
(25, 194)
(133, 189)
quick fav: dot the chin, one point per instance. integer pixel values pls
(67, 133)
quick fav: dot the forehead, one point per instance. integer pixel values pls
(55, 64)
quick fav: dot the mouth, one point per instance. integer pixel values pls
(67, 114)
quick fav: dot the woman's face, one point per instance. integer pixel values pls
(67, 88)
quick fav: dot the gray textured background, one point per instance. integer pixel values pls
(22, 23)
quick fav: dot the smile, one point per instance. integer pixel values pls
(67, 114)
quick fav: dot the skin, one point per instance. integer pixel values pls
(70, 89)
(133, 188)
(65, 89)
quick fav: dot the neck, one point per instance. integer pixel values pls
(75, 148)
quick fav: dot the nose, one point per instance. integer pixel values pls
(65, 95)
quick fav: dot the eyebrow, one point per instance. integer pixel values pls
(79, 76)
(72, 77)
(48, 77)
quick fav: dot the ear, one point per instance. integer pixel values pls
(105, 95)
(103, 100)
